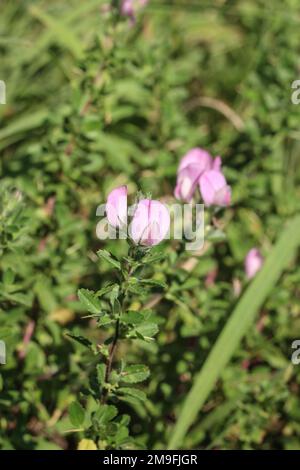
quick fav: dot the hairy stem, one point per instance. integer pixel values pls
(110, 360)
(114, 343)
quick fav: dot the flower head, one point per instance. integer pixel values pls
(191, 167)
(196, 163)
(150, 223)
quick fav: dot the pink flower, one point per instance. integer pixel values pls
(253, 262)
(151, 222)
(194, 164)
(130, 7)
(196, 156)
(214, 188)
(116, 207)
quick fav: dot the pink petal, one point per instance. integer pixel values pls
(214, 189)
(217, 163)
(187, 180)
(253, 262)
(196, 156)
(116, 207)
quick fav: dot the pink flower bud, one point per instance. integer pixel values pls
(151, 222)
(116, 207)
(253, 262)
(214, 189)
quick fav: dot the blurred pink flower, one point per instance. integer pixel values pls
(214, 188)
(130, 7)
(116, 207)
(187, 180)
(151, 222)
(253, 262)
(196, 156)
(192, 166)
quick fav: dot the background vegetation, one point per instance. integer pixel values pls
(94, 102)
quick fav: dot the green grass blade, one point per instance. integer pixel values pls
(239, 322)
(60, 31)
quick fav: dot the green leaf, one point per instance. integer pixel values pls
(101, 373)
(114, 294)
(89, 300)
(135, 373)
(81, 340)
(153, 257)
(8, 277)
(147, 330)
(105, 255)
(20, 298)
(76, 413)
(105, 320)
(61, 34)
(133, 392)
(132, 317)
(154, 283)
(216, 236)
(105, 414)
(238, 324)
(104, 290)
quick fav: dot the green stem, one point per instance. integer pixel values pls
(110, 359)
(114, 343)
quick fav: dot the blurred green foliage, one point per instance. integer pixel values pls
(93, 103)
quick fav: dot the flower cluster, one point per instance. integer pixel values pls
(150, 221)
(198, 168)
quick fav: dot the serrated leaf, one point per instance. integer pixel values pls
(105, 255)
(89, 300)
(135, 373)
(76, 413)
